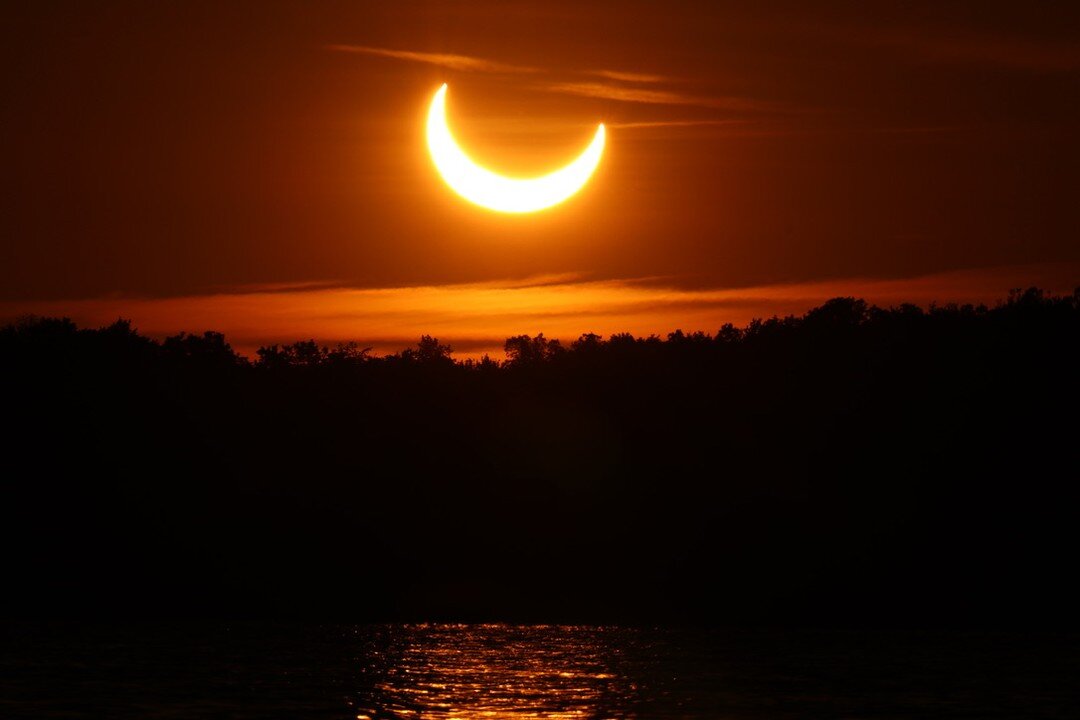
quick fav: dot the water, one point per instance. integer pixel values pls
(449, 671)
(504, 671)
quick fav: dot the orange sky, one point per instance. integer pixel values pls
(476, 318)
(164, 159)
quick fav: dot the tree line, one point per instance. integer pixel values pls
(853, 464)
(828, 323)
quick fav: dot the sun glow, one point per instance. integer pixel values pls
(493, 191)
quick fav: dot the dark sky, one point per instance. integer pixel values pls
(183, 148)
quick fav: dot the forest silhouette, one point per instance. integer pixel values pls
(898, 466)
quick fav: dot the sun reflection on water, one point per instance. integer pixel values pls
(462, 672)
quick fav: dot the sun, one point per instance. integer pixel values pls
(495, 192)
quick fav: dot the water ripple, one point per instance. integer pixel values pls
(486, 671)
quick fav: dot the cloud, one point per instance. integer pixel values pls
(447, 60)
(477, 317)
(620, 93)
(595, 89)
(671, 123)
(631, 77)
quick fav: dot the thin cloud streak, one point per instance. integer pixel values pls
(631, 77)
(607, 91)
(447, 60)
(670, 123)
(476, 318)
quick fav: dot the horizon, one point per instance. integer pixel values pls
(639, 308)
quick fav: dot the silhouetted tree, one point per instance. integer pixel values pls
(301, 354)
(209, 349)
(728, 334)
(843, 312)
(348, 354)
(587, 343)
(429, 351)
(484, 365)
(524, 350)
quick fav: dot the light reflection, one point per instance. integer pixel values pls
(456, 672)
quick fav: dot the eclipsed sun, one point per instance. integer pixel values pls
(487, 189)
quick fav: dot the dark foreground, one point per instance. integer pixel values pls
(854, 467)
(193, 671)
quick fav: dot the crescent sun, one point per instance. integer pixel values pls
(493, 191)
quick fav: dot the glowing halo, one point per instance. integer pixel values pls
(493, 191)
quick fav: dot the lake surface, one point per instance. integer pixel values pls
(505, 671)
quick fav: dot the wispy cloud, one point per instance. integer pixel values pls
(466, 63)
(620, 93)
(619, 85)
(632, 77)
(672, 123)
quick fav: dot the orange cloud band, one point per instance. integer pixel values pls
(477, 318)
